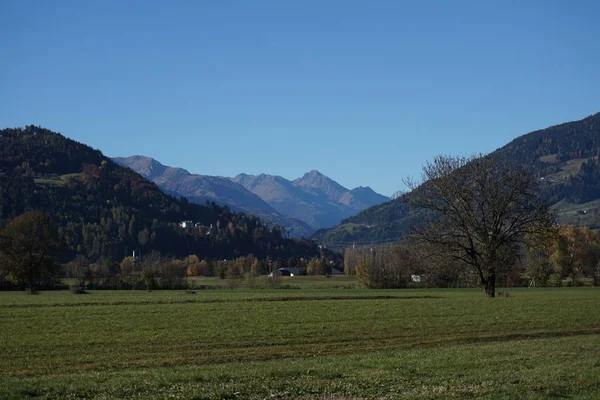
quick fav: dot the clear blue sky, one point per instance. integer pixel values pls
(365, 91)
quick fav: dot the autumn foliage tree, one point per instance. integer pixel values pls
(316, 266)
(576, 253)
(382, 267)
(539, 268)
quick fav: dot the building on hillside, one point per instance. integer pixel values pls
(186, 224)
(137, 256)
(203, 229)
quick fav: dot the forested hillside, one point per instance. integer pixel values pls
(104, 210)
(563, 157)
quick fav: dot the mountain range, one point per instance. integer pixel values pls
(565, 158)
(302, 206)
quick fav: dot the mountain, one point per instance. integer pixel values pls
(314, 198)
(320, 185)
(565, 158)
(202, 188)
(104, 210)
(301, 206)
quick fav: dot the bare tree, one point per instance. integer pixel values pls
(479, 210)
(382, 267)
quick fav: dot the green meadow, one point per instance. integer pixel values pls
(321, 341)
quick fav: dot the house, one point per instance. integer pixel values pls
(186, 224)
(286, 272)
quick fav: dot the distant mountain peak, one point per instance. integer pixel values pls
(148, 167)
(366, 189)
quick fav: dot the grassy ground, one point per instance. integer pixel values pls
(577, 214)
(307, 343)
(55, 181)
(297, 282)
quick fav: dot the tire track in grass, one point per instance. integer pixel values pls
(209, 301)
(200, 356)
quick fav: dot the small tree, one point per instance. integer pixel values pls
(256, 267)
(480, 210)
(80, 269)
(171, 273)
(127, 266)
(361, 269)
(382, 267)
(576, 253)
(537, 266)
(316, 266)
(350, 261)
(235, 272)
(29, 249)
(192, 265)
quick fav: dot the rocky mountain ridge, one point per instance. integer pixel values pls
(302, 206)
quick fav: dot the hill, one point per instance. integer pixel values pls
(563, 157)
(202, 188)
(105, 210)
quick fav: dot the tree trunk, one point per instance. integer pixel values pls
(489, 285)
(31, 284)
(31, 288)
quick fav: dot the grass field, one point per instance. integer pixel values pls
(577, 214)
(296, 282)
(303, 343)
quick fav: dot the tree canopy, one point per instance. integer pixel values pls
(29, 249)
(481, 209)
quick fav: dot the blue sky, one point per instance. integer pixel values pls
(364, 91)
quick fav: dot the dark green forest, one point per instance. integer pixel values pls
(105, 211)
(548, 153)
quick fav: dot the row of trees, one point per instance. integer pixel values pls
(566, 253)
(480, 216)
(252, 265)
(155, 271)
(564, 256)
(31, 247)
